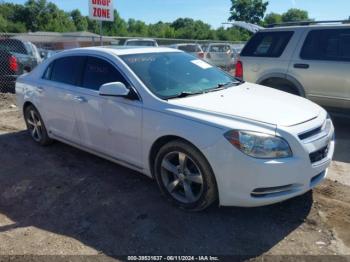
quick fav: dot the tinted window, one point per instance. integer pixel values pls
(330, 44)
(68, 70)
(13, 45)
(267, 44)
(48, 71)
(99, 72)
(170, 74)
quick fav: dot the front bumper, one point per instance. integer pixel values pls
(248, 182)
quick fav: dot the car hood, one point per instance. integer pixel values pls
(254, 102)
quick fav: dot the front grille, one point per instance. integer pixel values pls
(319, 154)
(310, 133)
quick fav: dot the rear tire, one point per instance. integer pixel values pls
(184, 176)
(36, 126)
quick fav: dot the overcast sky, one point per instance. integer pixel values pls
(213, 12)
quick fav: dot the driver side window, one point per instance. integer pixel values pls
(98, 72)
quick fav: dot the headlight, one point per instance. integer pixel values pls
(259, 145)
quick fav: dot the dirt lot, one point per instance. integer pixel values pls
(58, 200)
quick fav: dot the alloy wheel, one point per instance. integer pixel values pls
(34, 125)
(182, 177)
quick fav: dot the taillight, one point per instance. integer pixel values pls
(239, 69)
(208, 56)
(13, 64)
(201, 55)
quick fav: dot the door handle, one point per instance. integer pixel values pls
(79, 99)
(301, 66)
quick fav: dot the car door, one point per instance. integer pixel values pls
(58, 89)
(322, 66)
(108, 125)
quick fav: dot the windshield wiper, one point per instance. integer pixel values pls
(185, 94)
(221, 86)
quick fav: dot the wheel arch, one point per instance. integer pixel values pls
(26, 104)
(161, 141)
(294, 83)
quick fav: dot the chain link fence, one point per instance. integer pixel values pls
(21, 53)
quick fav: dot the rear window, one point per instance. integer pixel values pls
(267, 44)
(67, 70)
(140, 43)
(330, 44)
(219, 48)
(13, 46)
(190, 48)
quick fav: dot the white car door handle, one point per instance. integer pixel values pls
(40, 90)
(79, 99)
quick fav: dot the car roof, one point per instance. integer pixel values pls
(303, 27)
(116, 50)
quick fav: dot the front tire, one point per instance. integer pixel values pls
(184, 176)
(36, 126)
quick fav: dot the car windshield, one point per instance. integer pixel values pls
(170, 75)
(141, 43)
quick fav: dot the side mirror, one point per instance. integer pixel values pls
(117, 89)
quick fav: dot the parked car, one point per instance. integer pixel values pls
(193, 49)
(141, 42)
(16, 57)
(220, 54)
(309, 60)
(199, 132)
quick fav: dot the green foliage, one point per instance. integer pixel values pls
(272, 18)
(80, 21)
(294, 15)
(42, 15)
(251, 11)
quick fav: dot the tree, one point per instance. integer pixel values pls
(250, 11)
(294, 15)
(272, 18)
(80, 21)
(39, 15)
(137, 28)
(116, 28)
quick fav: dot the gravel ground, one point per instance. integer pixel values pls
(58, 200)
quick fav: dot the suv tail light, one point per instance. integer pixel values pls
(201, 55)
(13, 64)
(239, 69)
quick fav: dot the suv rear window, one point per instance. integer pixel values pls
(328, 44)
(267, 44)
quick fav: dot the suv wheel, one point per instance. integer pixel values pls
(36, 126)
(184, 176)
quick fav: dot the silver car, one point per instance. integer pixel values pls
(219, 54)
(191, 48)
(309, 60)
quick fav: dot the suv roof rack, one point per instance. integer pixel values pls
(309, 22)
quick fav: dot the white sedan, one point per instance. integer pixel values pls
(203, 135)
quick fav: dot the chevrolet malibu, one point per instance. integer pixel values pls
(203, 135)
